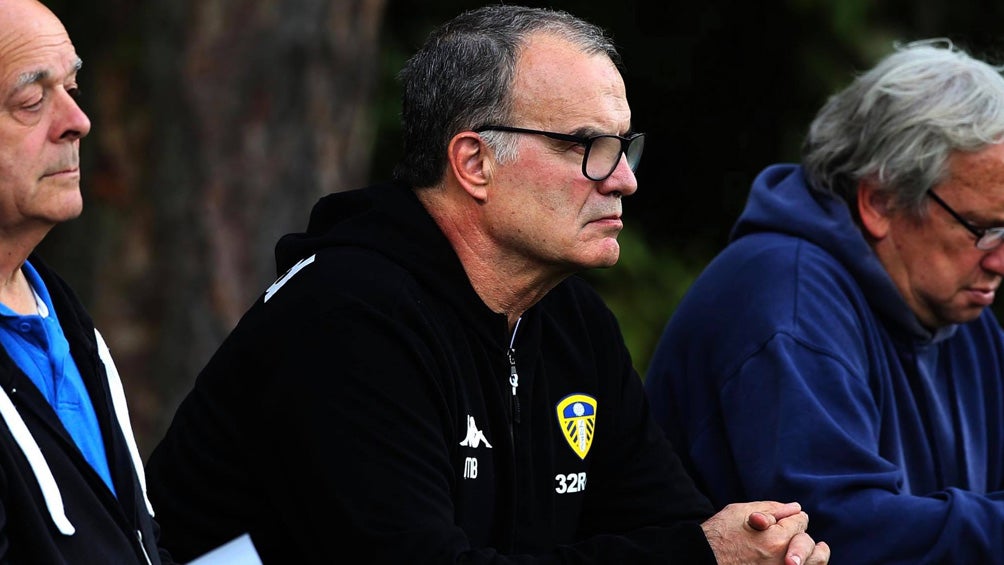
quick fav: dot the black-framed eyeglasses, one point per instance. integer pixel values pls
(986, 238)
(602, 152)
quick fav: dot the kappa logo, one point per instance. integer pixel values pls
(475, 437)
(289, 274)
(577, 418)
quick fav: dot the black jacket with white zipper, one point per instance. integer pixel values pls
(54, 508)
(369, 403)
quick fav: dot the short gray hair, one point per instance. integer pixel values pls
(899, 122)
(462, 78)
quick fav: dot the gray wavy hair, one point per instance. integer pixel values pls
(899, 122)
(462, 77)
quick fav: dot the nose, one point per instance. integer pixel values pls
(993, 261)
(621, 181)
(70, 122)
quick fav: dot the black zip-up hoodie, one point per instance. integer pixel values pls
(54, 508)
(369, 403)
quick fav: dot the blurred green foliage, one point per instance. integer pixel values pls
(642, 290)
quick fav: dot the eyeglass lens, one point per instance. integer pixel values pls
(605, 153)
(990, 239)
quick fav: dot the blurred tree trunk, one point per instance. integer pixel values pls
(217, 125)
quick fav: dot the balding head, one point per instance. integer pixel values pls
(40, 121)
(25, 16)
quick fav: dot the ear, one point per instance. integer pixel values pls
(873, 209)
(468, 159)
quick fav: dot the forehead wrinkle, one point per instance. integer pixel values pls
(559, 87)
(975, 182)
(581, 112)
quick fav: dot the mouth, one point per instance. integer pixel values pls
(64, 172)
(983, 296)
(612, 219)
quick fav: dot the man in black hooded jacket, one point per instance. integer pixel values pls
(428, 382)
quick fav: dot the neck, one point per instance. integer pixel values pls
(16, 244)
(504, 287)
(507, 282)
(16, 293)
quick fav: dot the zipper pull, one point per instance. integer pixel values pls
(513, 376)
(514, 383)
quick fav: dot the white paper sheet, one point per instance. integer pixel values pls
(239, 551)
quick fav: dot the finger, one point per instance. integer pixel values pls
(795, 524)
(801, 547)
(760, 521)
(820, 556)
(783, 511)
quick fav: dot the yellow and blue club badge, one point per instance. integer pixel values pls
(577, 418)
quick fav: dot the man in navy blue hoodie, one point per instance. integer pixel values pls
(428, 383)
(840, 351)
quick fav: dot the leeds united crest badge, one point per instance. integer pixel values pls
(577, 418)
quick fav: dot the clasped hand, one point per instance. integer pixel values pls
(764, 532)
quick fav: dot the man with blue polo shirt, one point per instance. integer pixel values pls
(72, 488)
(37, 345)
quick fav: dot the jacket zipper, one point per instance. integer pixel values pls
(513, 429)
(139, 535)
(513, 375)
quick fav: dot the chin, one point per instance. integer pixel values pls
(73, 204)
(606, 264)
(604, 261)
(970, 315)
(596, 255)
(962, 316)
(70, 213)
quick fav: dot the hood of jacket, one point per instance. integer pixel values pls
(781, 202)
(389, 219)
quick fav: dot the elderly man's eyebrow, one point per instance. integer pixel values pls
(592, 131)
(31, 77)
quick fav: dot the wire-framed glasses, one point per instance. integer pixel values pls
(986, 238)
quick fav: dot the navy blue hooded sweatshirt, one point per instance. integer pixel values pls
(370, 408)
(794, 370)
